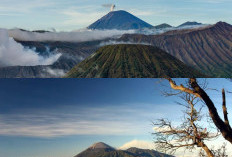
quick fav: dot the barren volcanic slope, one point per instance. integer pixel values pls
(104, 150)
(208, 49)
(131, 61)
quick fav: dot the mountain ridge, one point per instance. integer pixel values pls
(131, 152)
(208, 49)
(189, 23)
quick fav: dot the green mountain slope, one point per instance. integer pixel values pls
(131, 61)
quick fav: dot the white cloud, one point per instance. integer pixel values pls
(113, 42)
(55, 72)
(14, 54)
(138, 144)
(71, 120)
(75, 36)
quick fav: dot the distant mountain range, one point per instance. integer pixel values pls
(162, 26)
(208, 49)
(123, 20)
(103, 150)
(132, 61)
(120, 20)
(190, 24)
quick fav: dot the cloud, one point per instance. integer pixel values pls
(138, 144)
(55, 72)
(75, 36)
(14, 54)
(77, 120)
(114, 42)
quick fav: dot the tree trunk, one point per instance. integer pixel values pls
(224, 129)
(208, 152)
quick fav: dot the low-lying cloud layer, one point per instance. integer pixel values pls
(114, 42)
(14, 54)
(75, 36)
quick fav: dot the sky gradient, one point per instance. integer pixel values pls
(66, 15)
(60, 118)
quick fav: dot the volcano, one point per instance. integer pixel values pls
(103, 150)
(131, 61)
(120, 20)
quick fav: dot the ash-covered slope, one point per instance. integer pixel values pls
(209, 49)
(104, 150)
(131, 61)
(120, 20)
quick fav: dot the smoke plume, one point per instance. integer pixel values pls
(110, 6)
(14, 54)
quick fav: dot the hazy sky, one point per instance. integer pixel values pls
(75, 14)
(60, 118)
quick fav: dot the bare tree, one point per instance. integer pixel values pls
(189, 135)
(220, 152)
(196, 90)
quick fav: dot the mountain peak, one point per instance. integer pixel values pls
(222, 24)
(101, 149)
(189, 23)
(121, 20)
(100, 145)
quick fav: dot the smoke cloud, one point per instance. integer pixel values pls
(14, 54)
(107, 5)
(75, 36)
(111, 6)
(55, 72)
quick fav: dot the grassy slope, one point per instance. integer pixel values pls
(131, 61)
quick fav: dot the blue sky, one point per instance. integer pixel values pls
(61, 117)
(70, 15)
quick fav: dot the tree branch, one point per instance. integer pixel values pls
(181, 88)
(224, 108)
(197, 91)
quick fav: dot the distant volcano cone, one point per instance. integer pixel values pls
(131, 61)
(120, 20)
(103, 150)
(100, 145)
